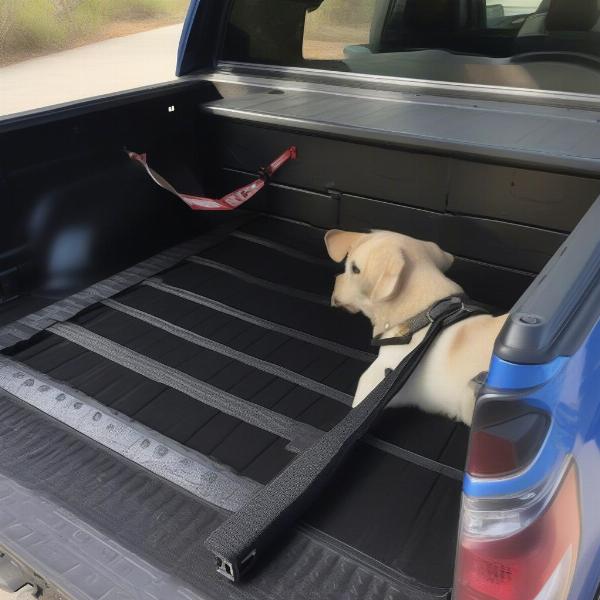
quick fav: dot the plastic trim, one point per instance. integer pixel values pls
(562, 305)
(67, 110)
(504, 155)
(439, 88)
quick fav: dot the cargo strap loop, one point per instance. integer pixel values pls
(230, 201)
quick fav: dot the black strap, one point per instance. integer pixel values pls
(398, 340)
(241, 540)
(413, 325)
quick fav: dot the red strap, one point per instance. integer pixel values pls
(231, 200)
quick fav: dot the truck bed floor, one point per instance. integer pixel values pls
(235, 360)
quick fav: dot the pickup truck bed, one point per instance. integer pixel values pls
(154, 402)
(249, 316)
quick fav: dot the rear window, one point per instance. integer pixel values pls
(549, 45)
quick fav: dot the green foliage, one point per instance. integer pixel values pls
(34, 26)
(114, 10)
(345, 12)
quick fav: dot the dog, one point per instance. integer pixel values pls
(391, 277)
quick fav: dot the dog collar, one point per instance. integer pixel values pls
(422, 320)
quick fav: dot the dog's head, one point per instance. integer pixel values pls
(378, 266)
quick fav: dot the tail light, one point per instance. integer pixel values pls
(523, 547)
(506, 435)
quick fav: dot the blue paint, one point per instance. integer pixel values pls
(512, 376)
(190, 18)
(569, 389)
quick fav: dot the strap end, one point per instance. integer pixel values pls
(233, 568)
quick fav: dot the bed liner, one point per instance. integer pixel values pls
(212, 373)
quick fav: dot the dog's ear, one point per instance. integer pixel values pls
(389, 282)
(442, 260)
(338, 243)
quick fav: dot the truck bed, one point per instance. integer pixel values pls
(136, 414)
(212, 375)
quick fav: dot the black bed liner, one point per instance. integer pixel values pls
(248, 318)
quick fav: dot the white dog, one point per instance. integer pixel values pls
(390, 278)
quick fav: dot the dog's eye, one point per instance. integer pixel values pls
(355, 269)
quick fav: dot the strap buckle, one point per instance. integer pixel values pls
(446, 308)
(265, 173)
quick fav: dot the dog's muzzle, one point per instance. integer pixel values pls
(347, 307)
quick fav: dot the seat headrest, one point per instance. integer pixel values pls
(430, 15)
(572, 15)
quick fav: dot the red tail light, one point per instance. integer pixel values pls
(505, 436)
(526, 551)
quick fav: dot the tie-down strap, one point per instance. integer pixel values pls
(242, 539)
(409, 327)
(228, 202)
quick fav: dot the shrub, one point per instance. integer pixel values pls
(31, 26)
(117, 10)
(34, 26)
(345, 12)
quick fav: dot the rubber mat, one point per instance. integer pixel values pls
(319, 320)
(300, 237)
(167, 526)
(400, 514)
(318, 363)
(261, 261)
(161, 408)
(253, 322)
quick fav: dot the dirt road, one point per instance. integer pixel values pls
(104, 67)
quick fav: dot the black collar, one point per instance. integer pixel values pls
(422, 320)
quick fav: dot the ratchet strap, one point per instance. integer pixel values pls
(228, 202)
(241, 540)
